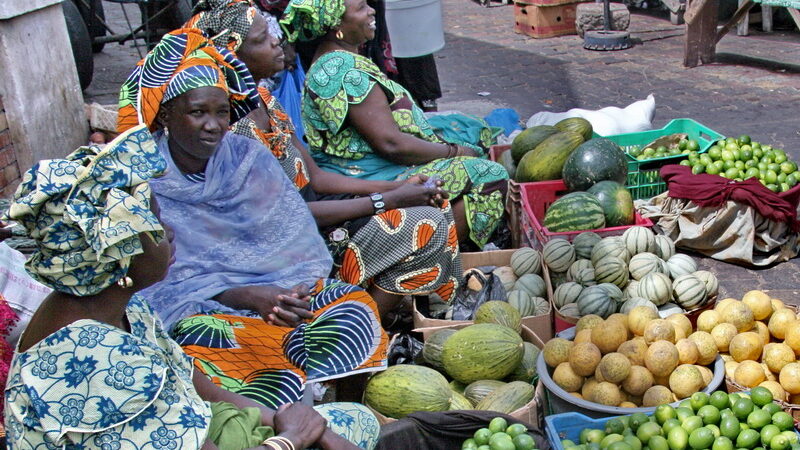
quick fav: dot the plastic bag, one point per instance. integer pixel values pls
(638, 116)
(404, 349)
(290, 94)
(23, 293)
(468, 301)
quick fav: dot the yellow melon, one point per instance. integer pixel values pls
(556, 351)
(780, 321)
(663, 380)
(576, 395)
(724, 303)
(638, 317)
(627, 405)
(792, 339)
(685, 380)
(623, 318)
(778, 392)
(740, 315)
(722, 334)
(770, 376)
(706, 347)
(584, 358)
(687, 351)
(726, 357)
(661, 358)
(746, 346)
(606, 393)
(776, 355)
(609, 335)
(659, 329)
(708, 375)
(763, 331)
(639, 381)
(566, 378)
(588, 322)
(759, 302)
(635, 350)
(588, 385)
(749, 374)
(583, 336)
(614, 367)
(708, 319)
(598, 376)
(682, 323)
(790, 378)
(730, 368)
(777, 304)
(657, 395)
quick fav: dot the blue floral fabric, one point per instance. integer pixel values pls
(352, 421)
(92, 385)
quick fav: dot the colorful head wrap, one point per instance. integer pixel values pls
(306, 20)
(226, 21)
(183, 60)
(86, 212)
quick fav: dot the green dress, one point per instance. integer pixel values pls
(339, 79)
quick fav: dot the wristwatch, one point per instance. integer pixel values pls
(378, 203)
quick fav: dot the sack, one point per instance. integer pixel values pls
(638, 116)
(290, 95)
(23, 293)
(468, 301)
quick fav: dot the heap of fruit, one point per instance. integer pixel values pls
(759, 338)
(742, 158)
(664, 147)
(499, 435)
(525, 289)
(594, 275)
(539, 152)
(604, 204)
(720, 422)
(490, 366)
(632, 360)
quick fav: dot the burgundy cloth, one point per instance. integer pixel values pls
(713, 190)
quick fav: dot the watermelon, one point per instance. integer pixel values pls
(710, 280)
(460, 403)
(528, 140)
(576, 124)
(526, 369)
(664, 247)
(656, 287)
(404, 389)
(432, 349)
(689, 291)
(477, 390)
(508, 398)
(574, 212)
(616, 201)
(593, 161)
(558, 254)
(681, 264)
(547, 159)
(611, 269)
(526, 260)
(596, 300)
(501, 313)
(584, 243)
(566, 293)
(484, 351)
(638, 240)
(532, 284)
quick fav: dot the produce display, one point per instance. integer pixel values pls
(499, 435)
(719, 421)
(602, 276)
(743, 158)
(539, 153)
(670, 145)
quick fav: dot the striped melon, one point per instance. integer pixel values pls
(570, 310)
(577, 266)
(540, 306)
(681, 264)
(532, 284)
(664, 247)
(637, 301)
(508, 398)
(638, 240)
(404, 389)
(584, 243)
(644, 263)
(595, 300)
(458, 386)
(521, 300)
(557, 278)
(574, 212)
(656, 287)
(631, 290)
(566, 293)
(611, 269)
(610, 246)
(477, 390)
(526, 260)
(558, 254)
(586, 277)
(710, 280)
(690, 291)
(484, 351)
(506, 276)
(613, 291)
(500, 313)
(432, 350)
(459, 403)
(526, 369)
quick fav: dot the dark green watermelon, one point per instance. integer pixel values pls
(595, 160)
(616, 202)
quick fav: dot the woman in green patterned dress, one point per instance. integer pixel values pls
(380, 134)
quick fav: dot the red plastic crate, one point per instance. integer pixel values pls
(537, 197)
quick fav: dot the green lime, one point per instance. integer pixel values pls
(714, 429)
(567, 443)
(742, 408)
(682, 143)
(701, 438)
(638, 419)
(669, 425)
(626, 420)
(482, 436)
(698, 400)
(791, 435)
(647, 431)
(722, 443)
(621, 445)
(610, 439)
(677, 438)
(748, 439)
(649, 151)
(470, 444)
(751, 173)
(714, 152)
(762, 166)
(595, 436)
(744, 139)
(760, 396)
(709, 414)
(524, 442)
(712, 169)
(498, 424)
(758, 418)
(501, 441)
(635, 151)
(692, 145)
(685, 162)
(729, 427)
(758, 152)
(719, 400)
(751, 163)
(658, 443)
(737, 154)
(769, 432)
(661, 149)
(634, 442)
(731, 173)
(739, 165)
(779, 442)
(674, 152)
(771, 408)
(747, 152)
(773, 187)
(516, 429)
(484, 447)
(727, 155)
(663, 413)
(780, 156)
(782, 420)
(692, 423)
(683, 413)
(705, 159)
(730, 147)
(584, 436)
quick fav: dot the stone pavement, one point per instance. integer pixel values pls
(483, 54)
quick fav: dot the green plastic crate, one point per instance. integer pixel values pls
(643, 179)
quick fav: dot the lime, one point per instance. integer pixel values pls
(729, 427)
(634, 442)
(760, 396)
(773, 187)
(482, 436)
(658, 443)
(470, 444)
(742, 408)
(727, 155)
(791, 435)
(678, 438)
(709, 414)
(737, 154)
(728, 165)
(698, 169)
(791, 179)
(647, 431)
(692, 423)
(705, 159)
(636, 420)
(739, 165)
(788, 167)
(621, 445)
(731, 173)
(685, 162)
(663, 413)
(674, 152)
(748, 439)
(757, 419)
(667, 426)
(744, 139)
(781, 178)
(758, 152)
(722, 443)
(610, 439)
(635, 151)
(584, 436)
(683, 413)
(752, 172)
(769, 432)
(701, 438)
(719, 400)
(661, 149)
(731, 146)
(692, 145)
(766, 148)
(771, 408)
(775, 167)
(649, 151)
(779, 442)
(501, 441)
(714, 429)
(782, 420)
(682, 143)
(698, 400)
(751, 163)
(484, 447)
(714, 152)
(626, 420)
(780, 156)
(762, 166)
(524, 442)
(567, 443)
(517, 428)
(498, 424)
(747, 152)
(595, 436)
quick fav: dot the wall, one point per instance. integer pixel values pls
(9, 169)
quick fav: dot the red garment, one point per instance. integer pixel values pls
(713, 190)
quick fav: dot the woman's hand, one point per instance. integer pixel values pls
(277, 306)
(293, 307)
(300, 424)
(415, 194)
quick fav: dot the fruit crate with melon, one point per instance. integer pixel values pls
(513, 200)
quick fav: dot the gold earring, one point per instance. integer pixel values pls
(125, 282)
(339, 35)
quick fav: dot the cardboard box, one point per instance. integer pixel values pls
(544, 21)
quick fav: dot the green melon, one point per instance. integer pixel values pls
(681, 264)
(526, 260)
(529, 139)
(689, 291)
(576, 124)
(595, 300)
(507, 161)
(638, 240)
(644, 263)
(522, 301)
(458, 386)
(477, 390)
(540, 306)
(570, 310)
(507, 399)
(526, 369)
(432, 349)
(610, 246)
(586, 277)
(637, 301)
(484, 351)
(575, 212)
(611, 269)
(613, 291)
(404, 389)
(664, 247)
(584, 243)
(547, 159)
(710, 280)
(577, 266)
(616, 201)
(594, 161)
(460, 403)
(656, 287)
(532, 284)
(566, 293)
(501, 313)
(558, 254)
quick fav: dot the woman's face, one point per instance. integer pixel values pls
(260, 51)
(358, 22)
(197, 121)
(152, 265)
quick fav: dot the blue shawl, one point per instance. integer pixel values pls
(245, 225)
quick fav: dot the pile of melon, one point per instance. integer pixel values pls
(601, 276)
(632, 360)
(484, 366)
(759, 339)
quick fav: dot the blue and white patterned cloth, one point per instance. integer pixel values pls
(92, 385)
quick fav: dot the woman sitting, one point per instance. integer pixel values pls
(95, 368)
(247, 295)
(357, 232)
(356, 130)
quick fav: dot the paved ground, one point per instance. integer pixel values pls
(483, 54)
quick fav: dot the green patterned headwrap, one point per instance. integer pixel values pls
(86, 212)
(306, 20)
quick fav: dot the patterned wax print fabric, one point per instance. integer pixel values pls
(278, 139)
(352, 421)
(183, 60)
(306, 20)
(86, 212)
(92, 385)
(337, 80)
(271, 364)
(226, 22)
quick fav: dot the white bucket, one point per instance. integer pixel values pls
(415, 27)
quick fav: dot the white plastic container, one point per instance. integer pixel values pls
(415, 27)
